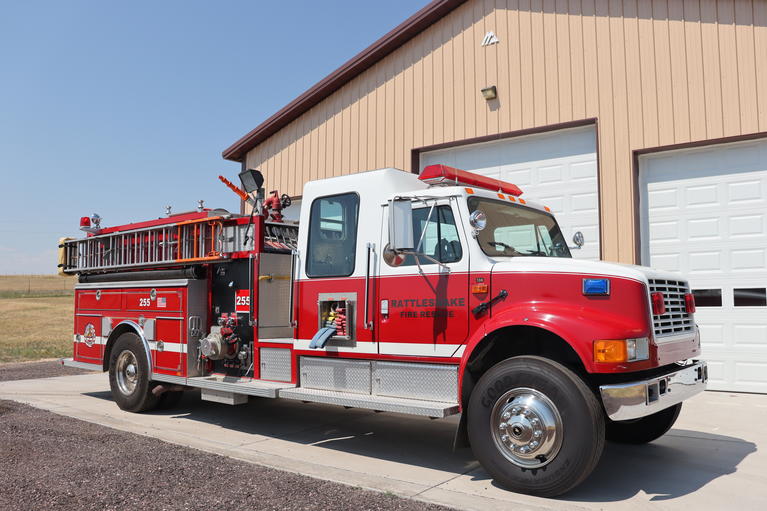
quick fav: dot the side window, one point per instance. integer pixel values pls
(333, 236)
(440, 240)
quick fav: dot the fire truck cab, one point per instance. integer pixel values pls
(430, 295)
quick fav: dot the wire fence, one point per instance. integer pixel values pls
(28, 286)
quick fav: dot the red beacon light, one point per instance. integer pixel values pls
(444, 175)
(91, 225)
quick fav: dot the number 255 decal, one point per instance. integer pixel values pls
(144, 302)
(242, 301)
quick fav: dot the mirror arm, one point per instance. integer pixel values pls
(425, 256)
(423, 231)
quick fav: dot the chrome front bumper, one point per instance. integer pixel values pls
(632, 400)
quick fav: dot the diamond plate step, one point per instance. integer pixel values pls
(434, 409)
(248, 387)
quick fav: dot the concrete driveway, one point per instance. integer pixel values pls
(713, 459)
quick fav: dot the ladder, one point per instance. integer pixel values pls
(185, 242)
(188, 242)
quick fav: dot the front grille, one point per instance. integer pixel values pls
(676, 319)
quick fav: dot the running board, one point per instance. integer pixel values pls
(81, 365)
(434, 409)
(247, 387)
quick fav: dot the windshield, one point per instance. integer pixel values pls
(515, 230)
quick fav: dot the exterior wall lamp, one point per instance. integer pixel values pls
(489, 93)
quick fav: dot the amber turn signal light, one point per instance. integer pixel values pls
(479, 289)
(610, 351)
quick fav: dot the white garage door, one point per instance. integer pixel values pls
(705, 216)
(557, 169)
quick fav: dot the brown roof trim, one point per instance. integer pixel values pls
(335, 80)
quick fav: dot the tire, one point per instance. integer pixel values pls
(129, 375)
(170, 400)
(644, 430)
(565, 443)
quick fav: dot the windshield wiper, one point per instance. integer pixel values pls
(504, 245)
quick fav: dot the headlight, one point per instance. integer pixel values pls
(621, 350)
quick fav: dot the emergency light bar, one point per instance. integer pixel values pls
(442, 174)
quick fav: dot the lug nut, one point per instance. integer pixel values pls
(504, 425)
(533, 444)
(537, 434)
(504, 438)
(506, 416)
(515, 410)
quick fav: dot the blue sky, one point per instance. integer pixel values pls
(123, 108)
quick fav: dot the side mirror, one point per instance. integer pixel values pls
(478, 220)
(401, 225)
(578, 239)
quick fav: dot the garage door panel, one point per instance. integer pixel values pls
(747, 260)
(557, 169)
(752, 373)
(704, 214)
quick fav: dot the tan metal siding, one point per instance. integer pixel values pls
(654, 72)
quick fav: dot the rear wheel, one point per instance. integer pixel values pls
(535, 426)
(129, 375)
(644, 430)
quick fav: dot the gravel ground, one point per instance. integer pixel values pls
(40, 369)
(48, 461)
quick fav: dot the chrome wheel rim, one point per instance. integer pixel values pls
(126, 371)
(526, 427)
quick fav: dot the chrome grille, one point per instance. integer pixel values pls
(675, 320)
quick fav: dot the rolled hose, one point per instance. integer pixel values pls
(192, 272)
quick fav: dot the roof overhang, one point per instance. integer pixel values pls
(408, 29)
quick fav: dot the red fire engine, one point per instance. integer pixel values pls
(431, 295)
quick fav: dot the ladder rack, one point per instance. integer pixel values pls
(188, 242)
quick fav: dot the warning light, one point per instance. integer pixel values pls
(442, 174)
(658, 303)
(689, 302)
(596, 287)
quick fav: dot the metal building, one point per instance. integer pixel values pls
(641, 123)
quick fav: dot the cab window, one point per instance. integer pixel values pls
(440, 239)
(333, 236)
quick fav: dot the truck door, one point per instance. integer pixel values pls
(423, 311)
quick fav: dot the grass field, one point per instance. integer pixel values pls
(19, 286)
(36, 317)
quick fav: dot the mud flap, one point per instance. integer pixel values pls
(461, 438)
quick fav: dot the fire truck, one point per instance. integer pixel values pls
(432, 295)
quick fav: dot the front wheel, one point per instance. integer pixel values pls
(129, 375)
(535, 426)
(644, 430)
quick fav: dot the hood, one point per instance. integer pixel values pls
(581, 266)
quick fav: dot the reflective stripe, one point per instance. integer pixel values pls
(81, 339)
(170, 347)
(421, 349)
(392, 348)
(361, 347)
(173, 347)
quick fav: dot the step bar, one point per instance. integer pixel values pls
(434, 409)
(248, 387)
